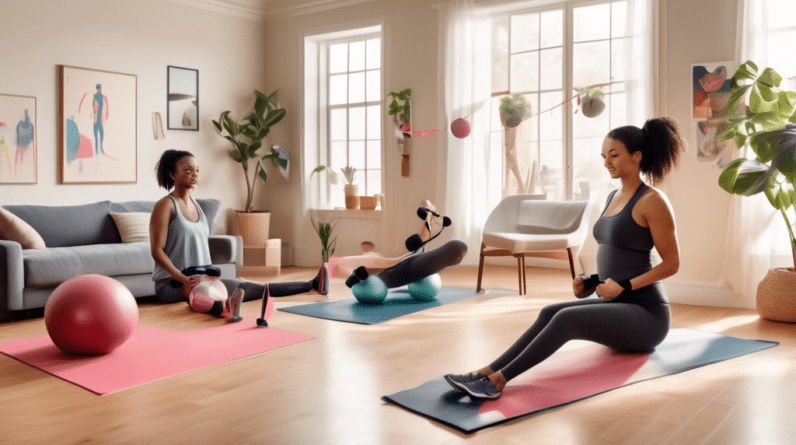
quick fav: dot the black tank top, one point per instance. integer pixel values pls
(623, 247)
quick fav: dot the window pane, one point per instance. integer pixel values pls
(356, 123)
(338, 157)
(525, 72)
(591, 126)
(619, 26)
(374, 53)
(337, 195)
(374, 122)
(374, 182)
(552, 68)
(356, 87)
(374, 155)
(618, 59)
(551, 173)
(338, 124)
(338, 89)
(373, 85)
(338, 58)
(356, 157)
(618, 108)
(495, 124)
(524, 32)
(356, 58)
(588, 166)
(500, 54)
(550, 122)
(591, 63)
(552, 28)
(592, 22)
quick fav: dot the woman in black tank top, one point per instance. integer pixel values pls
(630, 312)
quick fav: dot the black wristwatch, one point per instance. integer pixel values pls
(626, 285)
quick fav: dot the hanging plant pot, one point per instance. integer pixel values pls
(776, 296)
(592, 106)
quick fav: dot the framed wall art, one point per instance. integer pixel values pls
(97, 126)
(710, 99)
(182, 112)
(18, 159)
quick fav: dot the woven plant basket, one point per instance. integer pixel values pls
(776, 296)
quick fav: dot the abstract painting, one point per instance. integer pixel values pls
(17, 139)
(97, 120)
(182, 112)
(710, 98)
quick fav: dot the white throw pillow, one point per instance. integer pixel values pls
(13, 228)
(133, 226)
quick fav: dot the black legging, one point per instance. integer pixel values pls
(628, 324)
(252, 291)
(422, 265)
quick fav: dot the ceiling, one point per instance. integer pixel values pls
(267, 10)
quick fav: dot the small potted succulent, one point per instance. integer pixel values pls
(589, 99)
(351, 189)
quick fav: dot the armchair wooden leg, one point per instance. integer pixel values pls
(480, 268)
(571, 262)
(524, 278)
(519, 270)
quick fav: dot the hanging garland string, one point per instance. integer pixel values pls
(577, 96)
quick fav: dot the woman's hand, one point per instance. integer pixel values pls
(579, 288)
(609, 290)
(188, 283)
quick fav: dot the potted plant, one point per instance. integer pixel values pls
(324, 231)
(247, 138)
(351, 189)
(401, 111)
(591, 102)
(513, 109)
(767, 127)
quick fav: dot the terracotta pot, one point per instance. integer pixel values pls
(368, 202)
(351, 196)
(776, 296)
(253, 227)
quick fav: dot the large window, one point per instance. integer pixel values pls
(545, 55)
(342, 113)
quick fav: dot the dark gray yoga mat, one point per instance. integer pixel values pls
(397, 304)
(572, 375)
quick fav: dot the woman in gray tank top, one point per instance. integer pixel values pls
(179, 240)
(630, 312)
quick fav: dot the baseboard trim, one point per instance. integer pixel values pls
(702, 294)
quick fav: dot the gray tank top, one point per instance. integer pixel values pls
(186, 242)
(623, 247)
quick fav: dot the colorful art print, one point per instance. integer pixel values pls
(18, 141)
(97, 123)
(710, 86)
(182, 111)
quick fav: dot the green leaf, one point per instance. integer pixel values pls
(263, 174)
(762, 99)
(319, 169)
(764, 144)
(736, 95)
(787, 102)
(783, 200)
(744, 177)
(218, 126)
(230, 126)
(260, 103)
(772, 198)
(746, 71)
(784, 158)
(236, 155)
(770, 78)
(274, 117)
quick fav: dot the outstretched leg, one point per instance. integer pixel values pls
(417, 267)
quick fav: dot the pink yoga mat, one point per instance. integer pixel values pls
(151, 354)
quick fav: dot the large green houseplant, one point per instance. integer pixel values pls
(247, 138)
(766, 127)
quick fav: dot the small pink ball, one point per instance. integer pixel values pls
(460, 128)
(90, 314)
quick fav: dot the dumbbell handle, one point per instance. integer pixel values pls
(590, 281)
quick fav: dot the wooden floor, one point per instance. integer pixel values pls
(327, 391)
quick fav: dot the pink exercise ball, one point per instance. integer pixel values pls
(90, 314)
(460, 128)
(214, 289)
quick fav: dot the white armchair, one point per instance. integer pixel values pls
(527, 225)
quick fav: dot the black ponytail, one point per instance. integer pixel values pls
(660, 143)
(167, 165)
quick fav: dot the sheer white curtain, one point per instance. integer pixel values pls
(639, 61)
(757, 238)
(469, 175)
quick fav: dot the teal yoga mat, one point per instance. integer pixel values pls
(572, 375)
(397, 304)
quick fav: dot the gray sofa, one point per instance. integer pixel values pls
(83, 239)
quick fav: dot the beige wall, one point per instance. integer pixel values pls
(140, 37)
(234, 56)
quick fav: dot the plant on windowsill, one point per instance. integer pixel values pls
(247, 137)
(767, 127)
(324, 231)
(351, 189)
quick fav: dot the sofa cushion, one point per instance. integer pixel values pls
(49, 267)
(210, 207)
(13, 228)
(63, 226)
(133, 226)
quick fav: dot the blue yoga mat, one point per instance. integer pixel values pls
(572, 375)
(397, 304)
